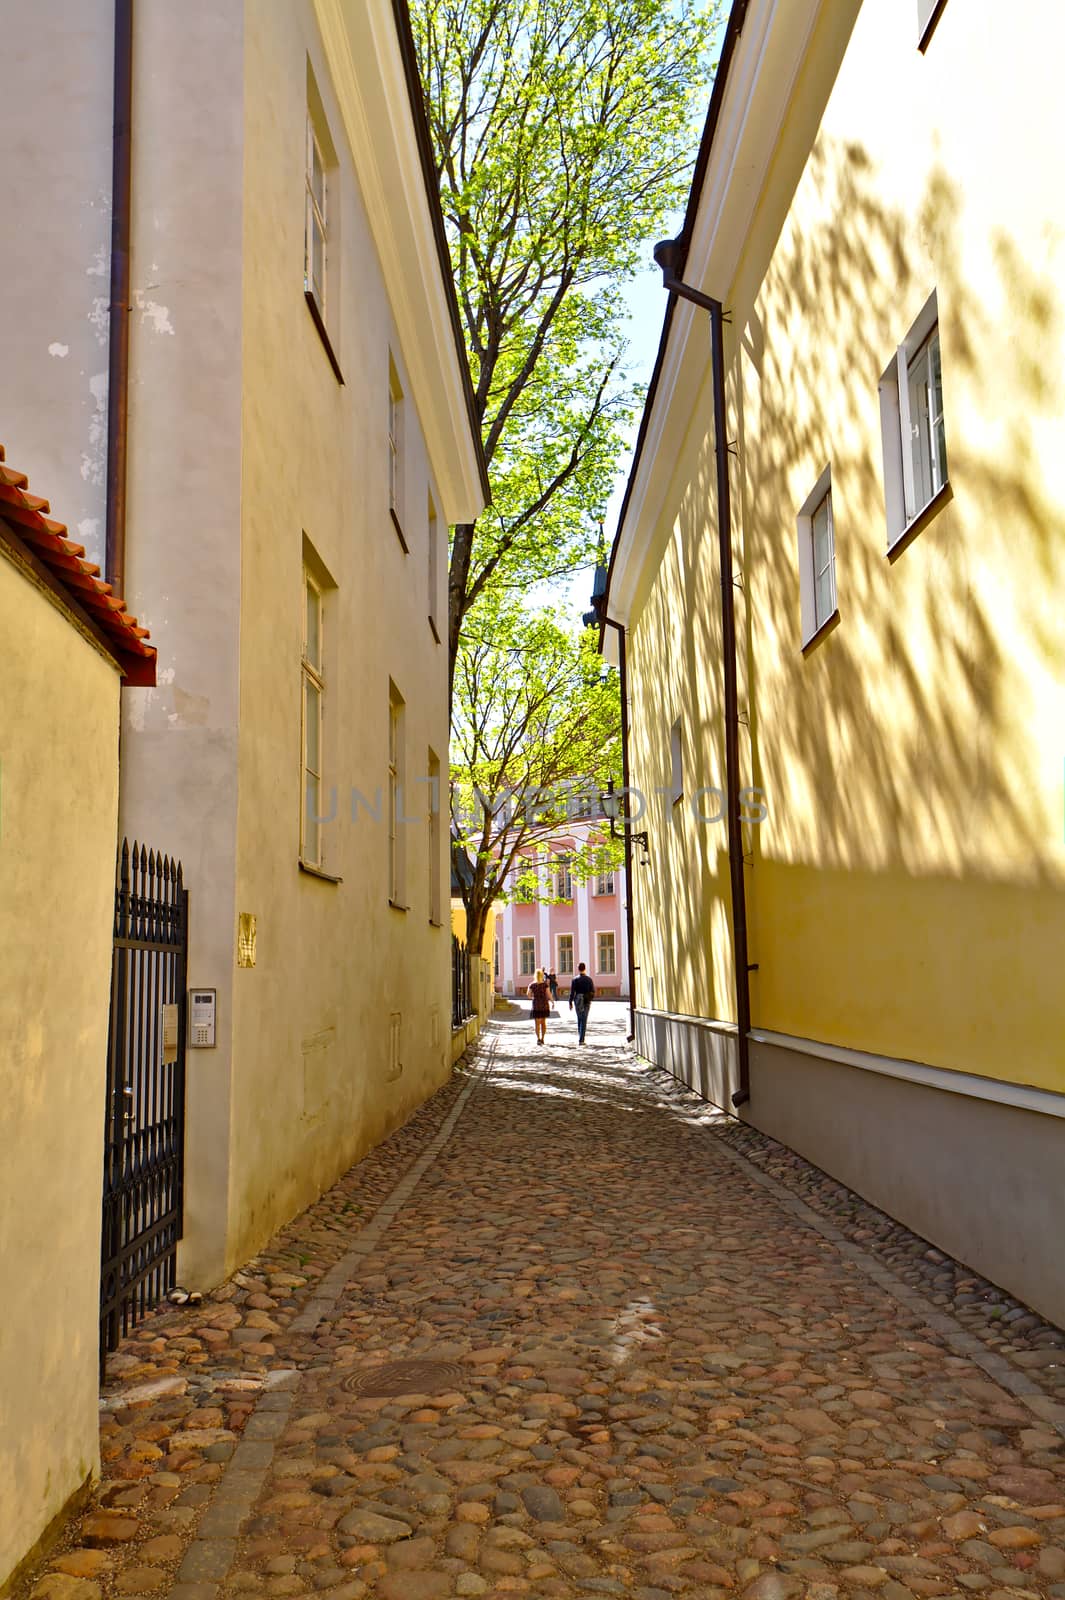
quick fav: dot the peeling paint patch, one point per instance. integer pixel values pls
(99, 318)
(92, 460)
(99, 264)
(88, 528)
(58, 349)
(190, 710)
(152, 312)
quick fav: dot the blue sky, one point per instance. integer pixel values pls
(646, 301)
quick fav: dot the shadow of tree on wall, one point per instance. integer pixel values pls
(906, 743)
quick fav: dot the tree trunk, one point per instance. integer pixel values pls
(476, 922)
(457, 580)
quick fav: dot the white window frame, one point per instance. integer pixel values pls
(312, 682)
(905, 499)
(611, 971)
(317, 219)
(434, 838)
(395, 449)
(433, 574)
(562, 873)
(811, 614)
(561, 968)
(396, 775)
(523, 941)
(676, 763)
(928, 14)
(604, 883)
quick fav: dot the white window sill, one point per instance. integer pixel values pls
(318, 872)
(920, 521)
(819, 633)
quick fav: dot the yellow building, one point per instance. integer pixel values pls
(65, 653)
(875, 209)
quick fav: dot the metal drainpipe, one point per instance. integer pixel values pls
(629, 884)
(667, 255)
(118, 338)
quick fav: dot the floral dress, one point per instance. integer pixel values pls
(541, 999)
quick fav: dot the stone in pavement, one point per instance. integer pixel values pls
(654, 1381)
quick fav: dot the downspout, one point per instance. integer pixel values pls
(118, 337)
(667, 254)
(629, 884)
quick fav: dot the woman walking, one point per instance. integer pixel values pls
(540, 994)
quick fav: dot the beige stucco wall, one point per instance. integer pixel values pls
(314, 1080)
(179, 747)
(55, 91)
(58, 817)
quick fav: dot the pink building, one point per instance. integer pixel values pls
(576, 922)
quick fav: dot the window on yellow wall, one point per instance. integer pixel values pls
(316, 250)
(313, 678)
(928, 14)
(396, 777)
(395, 451)
(434, 839)
(913, 425)
(817, 559)
(676, 763)
(433, 574)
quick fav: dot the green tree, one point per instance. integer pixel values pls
(563, 134)
(536, 724)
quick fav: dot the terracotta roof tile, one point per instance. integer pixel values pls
(25, 514)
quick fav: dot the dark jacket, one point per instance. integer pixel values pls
(582, 988)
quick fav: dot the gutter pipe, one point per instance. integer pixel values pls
(630, 885)
(119, 306)
(667, 255)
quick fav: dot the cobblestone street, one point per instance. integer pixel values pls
(638, 1366)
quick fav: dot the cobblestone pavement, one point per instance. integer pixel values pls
(640, 1366)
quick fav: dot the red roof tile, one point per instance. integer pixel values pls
(25, 515)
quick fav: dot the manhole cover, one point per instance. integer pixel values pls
(408, 1377)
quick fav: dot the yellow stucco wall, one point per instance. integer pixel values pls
(58, 818)
(905, 893)
(458, 928)
(314, 1080)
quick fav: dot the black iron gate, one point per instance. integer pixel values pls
(144, 1119)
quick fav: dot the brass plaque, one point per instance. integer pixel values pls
(246, 940)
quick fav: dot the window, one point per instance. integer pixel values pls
(521, 882)
(604, 883)
(313, 676)
(911, 416)
(434, 839)
(605, 952)
(495, 965)
(316, 243)
(817, 558)
(676, 764)
(583, 805)
(565, 954)
(396, 851)
(527, 956)
(928, 14)
(434, 569)
(395, 450)
(563, 878)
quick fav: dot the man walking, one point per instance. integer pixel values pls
(581, 992)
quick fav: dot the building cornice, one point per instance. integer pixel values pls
(764, 50)
(371, 81)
